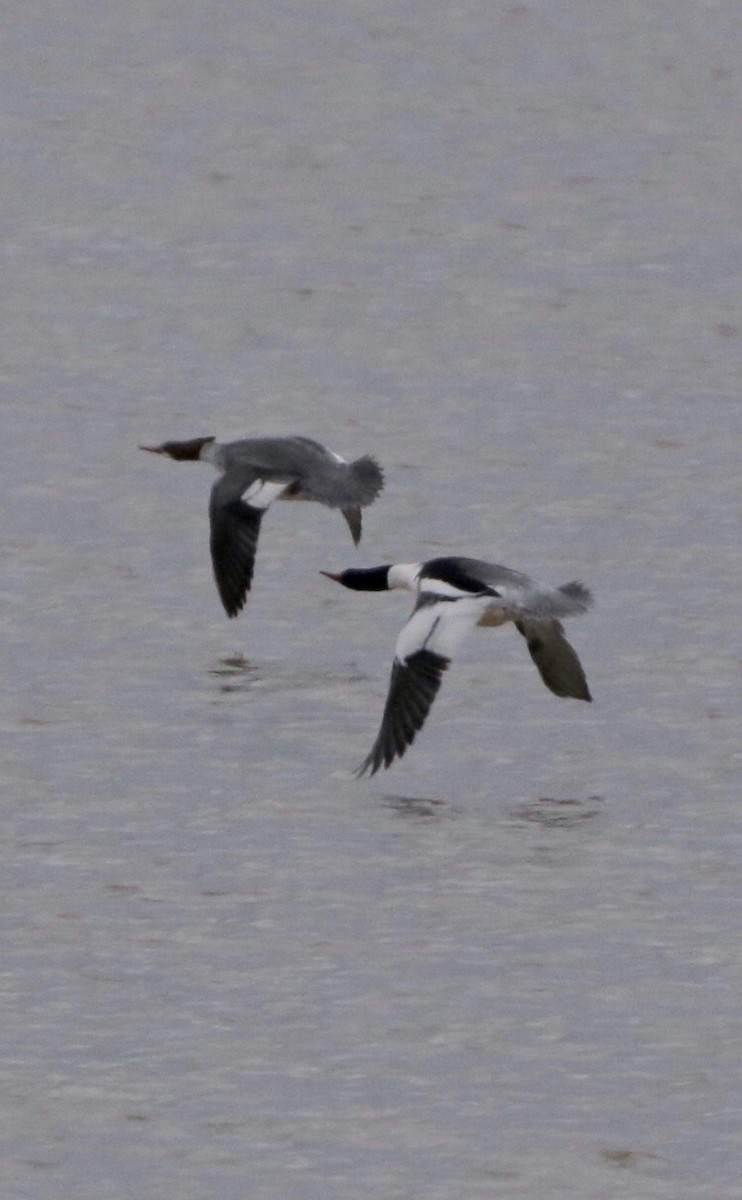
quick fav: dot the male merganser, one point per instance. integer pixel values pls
(263, 470)
(454, 595)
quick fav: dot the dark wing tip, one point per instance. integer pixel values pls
(584, 692)
(364, 767)
(233, 607)
(413, 687)
(354, 520)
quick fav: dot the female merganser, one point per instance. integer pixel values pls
(263, 470)
(454, 595)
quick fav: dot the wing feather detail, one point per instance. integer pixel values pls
(556, 660)
(413, 687)
(235, 528)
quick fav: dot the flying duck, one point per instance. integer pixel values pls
(254, 473)
(454, 595)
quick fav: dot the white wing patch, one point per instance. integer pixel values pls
(263, 492)
(440, 627)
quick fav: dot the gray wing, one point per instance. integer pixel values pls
(492, 574)
(235, 527)
(523, 596)
(413, 687)
(556, 661)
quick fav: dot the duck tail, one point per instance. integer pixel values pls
(368, 478)
(580, 598)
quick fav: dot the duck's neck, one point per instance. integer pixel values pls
(210, 452)
(404, 575)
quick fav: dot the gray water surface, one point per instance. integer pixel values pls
(498, 246)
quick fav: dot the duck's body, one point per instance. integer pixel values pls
(454, 595)
(254, 473)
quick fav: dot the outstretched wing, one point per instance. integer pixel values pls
(235, 526)
(556, 661)
(234, 539)
(412, 689)
(425, 647)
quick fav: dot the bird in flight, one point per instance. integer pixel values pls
(253, 473)
(453, 595)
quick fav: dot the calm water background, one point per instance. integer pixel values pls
(499, 246)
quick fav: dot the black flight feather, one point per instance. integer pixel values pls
(413, 687)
